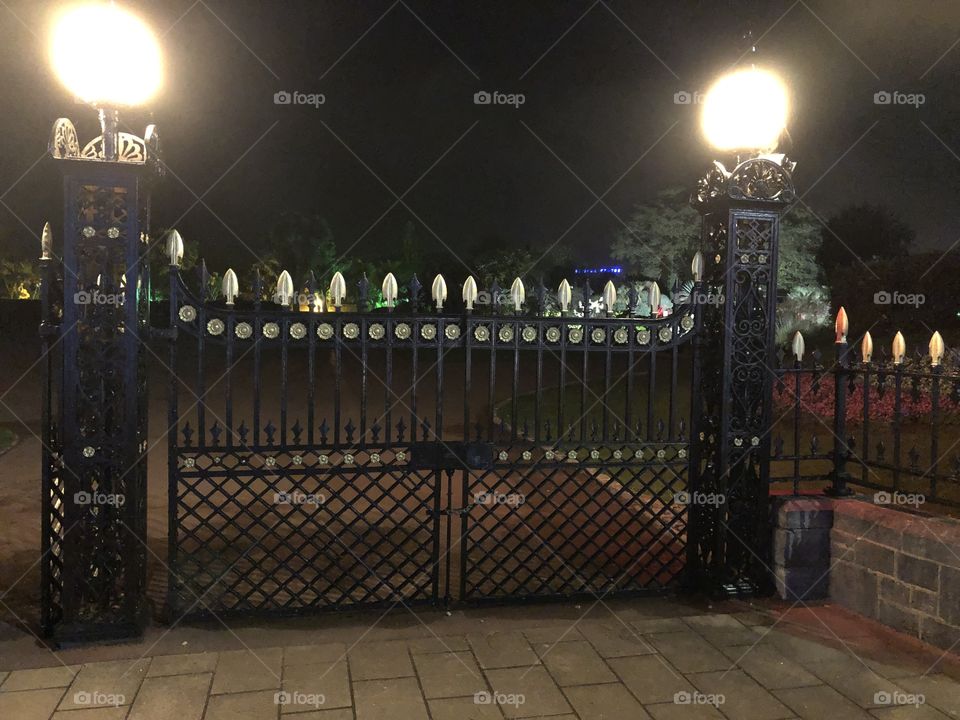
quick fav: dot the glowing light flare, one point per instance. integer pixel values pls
(105, 55)
(745, 110)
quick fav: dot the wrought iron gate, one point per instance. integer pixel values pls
(338, 456)
(399, 455)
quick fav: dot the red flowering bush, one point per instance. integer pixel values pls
(817, 397)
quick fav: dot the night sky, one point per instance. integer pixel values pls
(599, 80)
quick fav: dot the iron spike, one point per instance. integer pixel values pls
(518, 294)
(46, 242)
(470, 292)
(936, 349)
(175, 248)
(438, 291)
(389, 289)
(899, 348)
(230, 287)
(338, 289)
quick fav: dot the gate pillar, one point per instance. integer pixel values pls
(729, 536)
(95, 470)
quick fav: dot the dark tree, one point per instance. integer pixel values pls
(872, 233)
(301, 243)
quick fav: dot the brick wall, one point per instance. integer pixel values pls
(899, 568)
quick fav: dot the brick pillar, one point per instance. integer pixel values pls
(801, 548)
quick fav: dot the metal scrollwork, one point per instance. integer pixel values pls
(130, 148)
(712, 185)
(63, 140)
(761, 179)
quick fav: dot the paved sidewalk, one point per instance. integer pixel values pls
(626, 660)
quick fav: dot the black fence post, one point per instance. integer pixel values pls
(841, 375)
(95, 551)
(740, 236)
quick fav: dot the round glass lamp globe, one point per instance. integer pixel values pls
(745, 110)
(105, 55)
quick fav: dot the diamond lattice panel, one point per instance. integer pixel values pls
(308, 539)
(571, 528)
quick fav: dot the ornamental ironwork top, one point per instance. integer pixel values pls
(762, 179)
(131, 149)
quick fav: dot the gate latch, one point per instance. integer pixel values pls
(451, 455)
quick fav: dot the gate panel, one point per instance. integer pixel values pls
(561, 473)
(269, 514)
(584, 495)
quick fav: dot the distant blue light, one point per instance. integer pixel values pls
(605, 270)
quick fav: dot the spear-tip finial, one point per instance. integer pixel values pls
(798, 346)
(470, 292)
(46, 242)
(230, 287)
(175, 248)
(284, 289)
(654, 298)
(438, 291)
(389, 289)
(842, 325)
(564, 295)
(338, 289)
(609, 296)
(517, 294)
(936, 348)
(696, 266)
(899, 348)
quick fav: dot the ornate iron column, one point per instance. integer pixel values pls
(94, 565)
(741, 212)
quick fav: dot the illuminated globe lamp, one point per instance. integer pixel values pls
(94, 582)
(744, 115)
(108, 58)
(746, 111)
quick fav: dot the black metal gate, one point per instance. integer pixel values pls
(369, 456)
(329, 455)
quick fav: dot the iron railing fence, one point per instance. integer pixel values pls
(887, 422)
